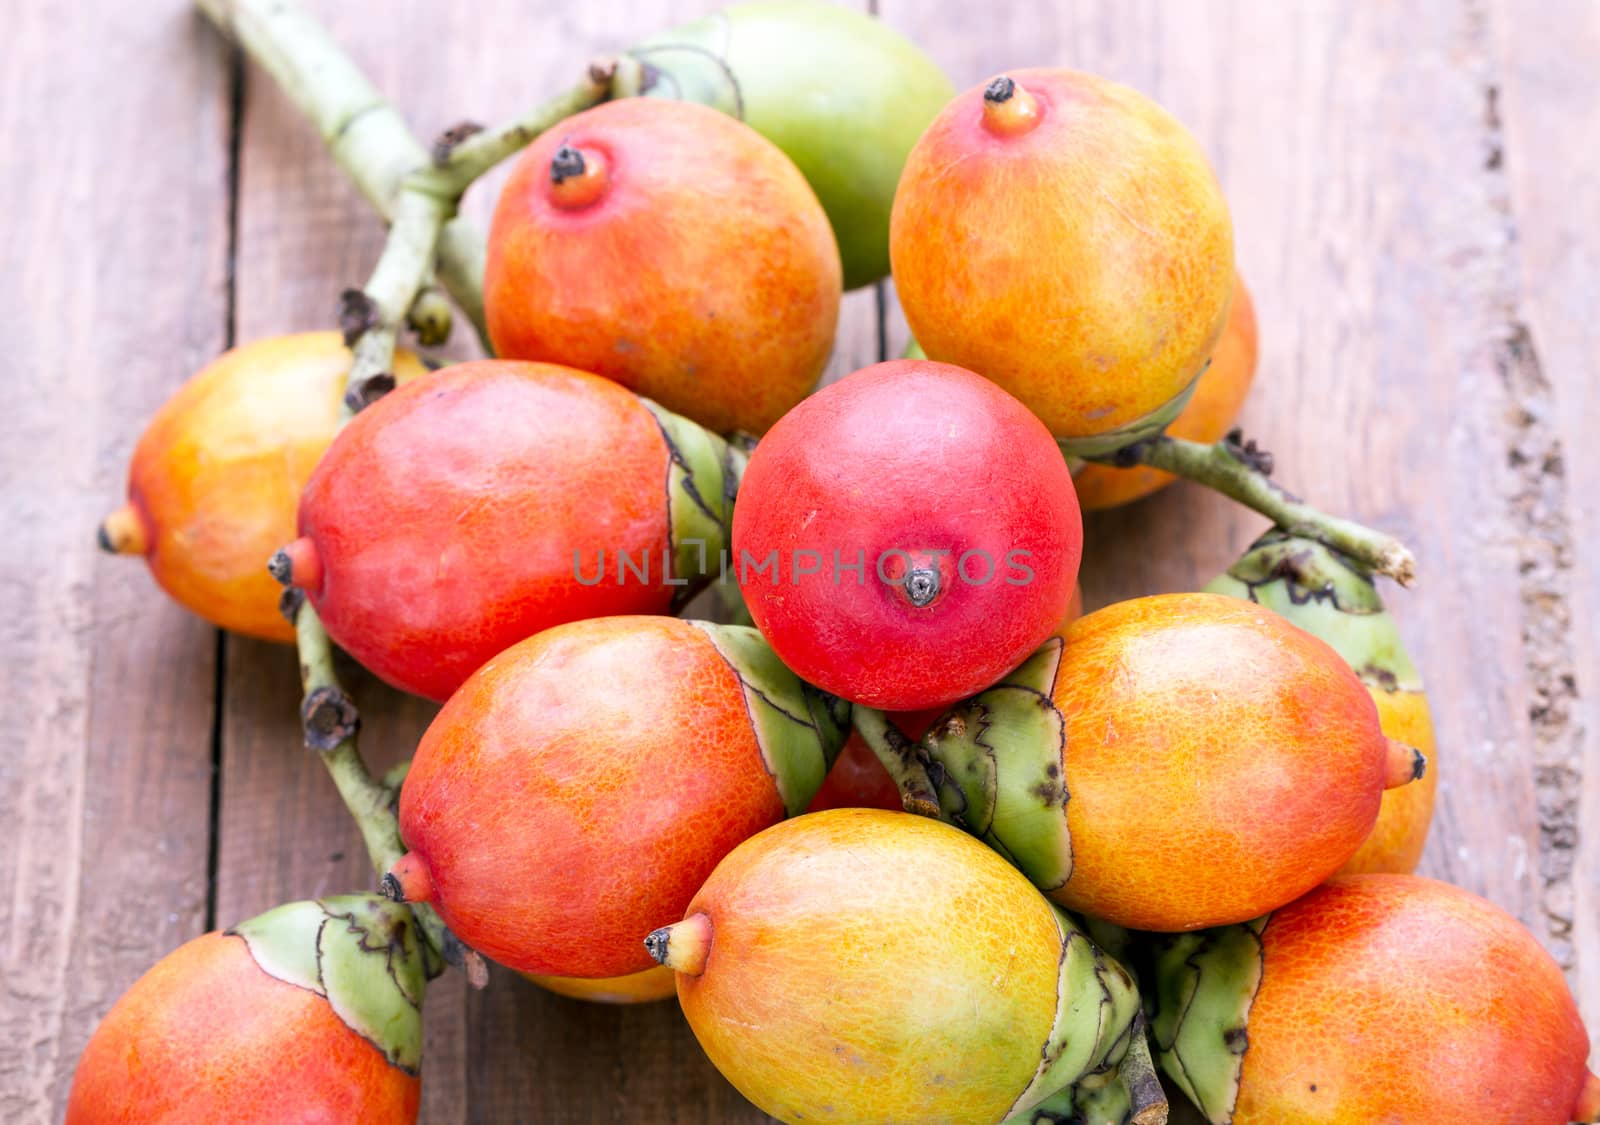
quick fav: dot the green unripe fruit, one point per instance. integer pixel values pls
(842, 94)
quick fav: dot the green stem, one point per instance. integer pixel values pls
(901, 757)
(1240, 473)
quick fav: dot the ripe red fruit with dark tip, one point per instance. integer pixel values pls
(456, 515)
(959, 509)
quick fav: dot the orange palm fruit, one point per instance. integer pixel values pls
(309, 1012)
(1219, 395)
(1171, 763)
(215, 478)
(1375, 998)
(1065, 237)
(1331, 597)
(578, 789)
(876, 967)
(672, 248)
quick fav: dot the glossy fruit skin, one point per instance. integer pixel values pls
(215, 478)
(207, 1036)
(844, 95)
(1084, 265)
(578, 789)
(704, 277)
(1218, 397)
(652, 984)
(446, 517)
(837, 979)
(1395, 844)
(907, 456)
(1219, 762)
(1477, 1018)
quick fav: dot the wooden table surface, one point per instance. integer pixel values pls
(1416, 190)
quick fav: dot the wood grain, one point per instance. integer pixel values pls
(1550, 152)
(512, 1052)
(114, 122)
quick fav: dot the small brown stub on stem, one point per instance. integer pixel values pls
(578, 177)
(289, 603)
(357, 313)
(1251, 454)
(329, 717)
(1008, 109)
(444, 145)
(369, 391)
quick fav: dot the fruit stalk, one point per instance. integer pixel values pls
(902, 757)
(1242, 473)
(363, 132)
(416, 190)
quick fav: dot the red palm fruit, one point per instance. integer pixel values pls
(858, 779)
(1374, 998)
(858, 965)
(1201, 761)
(953, 506)
(311, 1012)
(578, 789)
(452, 519)
(1219, 395)
(214, 480)
(671, 248)
(1065, 237)
(1331, 597)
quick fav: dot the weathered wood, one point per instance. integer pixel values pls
(1545, 68)
(114, 121)
(513, 1052)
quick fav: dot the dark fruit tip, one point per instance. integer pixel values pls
(1000, 90)
(656, 944)
(1419, 765)
(103, 537)
(567, 163)
(281, 567)
(389, 887)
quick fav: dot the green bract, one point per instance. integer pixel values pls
(1204, 984)
(701, 481)
(1328, 596)
(359, 951)
(998, 765)
(843, 95)
(800, 728)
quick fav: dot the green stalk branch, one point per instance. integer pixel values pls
(901, 756)
(364, 133)
(1240, 471)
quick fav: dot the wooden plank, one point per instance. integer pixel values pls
(114, 286)
(1550, 154)
(513, 1052)
(1351, 140)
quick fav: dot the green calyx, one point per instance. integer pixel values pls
(1329, 596)
(841, 93)
(800, 728)
(1205, 983)
(361, 953)
(702, 477)
(1126, 1094)
(1097, 1018)
(1140, 429)
(996, 761)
